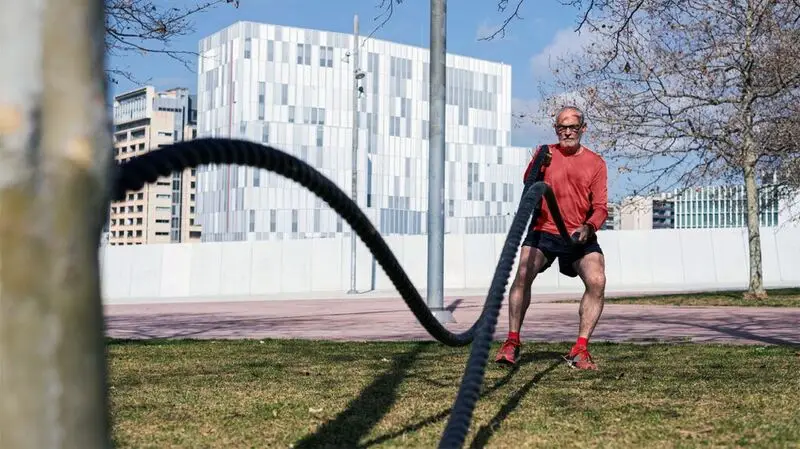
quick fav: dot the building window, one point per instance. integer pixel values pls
(326, 56)
(394, 126)
(304, 54)
(372, 62)
(369, 182)
(261, 99)
(284, 94)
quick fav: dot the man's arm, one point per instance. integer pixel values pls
(599, 195)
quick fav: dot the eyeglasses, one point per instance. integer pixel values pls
(562, 128)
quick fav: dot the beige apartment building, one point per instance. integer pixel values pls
(162, 212)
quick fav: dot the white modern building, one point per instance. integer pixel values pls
(708, 207)
(293, 89)
(723, 207)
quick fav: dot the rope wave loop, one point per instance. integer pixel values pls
(147, 168)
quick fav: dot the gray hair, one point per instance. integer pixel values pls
(571, 108)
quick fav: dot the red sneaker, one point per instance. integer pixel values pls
(580, 358)
(508, 353)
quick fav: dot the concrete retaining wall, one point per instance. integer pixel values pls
(679, 260)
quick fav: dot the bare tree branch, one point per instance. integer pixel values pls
(502, 6)
(147, 27)
(692, 92)
(591, 17)
(388, 7)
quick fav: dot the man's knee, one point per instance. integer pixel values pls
(523, 270)
(596, 282)
(593, 273)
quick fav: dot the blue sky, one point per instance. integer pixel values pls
(523, 45)
(547, 29)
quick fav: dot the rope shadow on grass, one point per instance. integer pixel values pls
(486, 431)
(366, 410)
(525, 359)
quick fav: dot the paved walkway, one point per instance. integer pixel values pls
(391, 319)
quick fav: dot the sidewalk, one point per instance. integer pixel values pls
(390, 319)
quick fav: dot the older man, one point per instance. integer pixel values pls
(579, 179)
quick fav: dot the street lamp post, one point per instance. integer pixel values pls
(436, 162)
(357, 75)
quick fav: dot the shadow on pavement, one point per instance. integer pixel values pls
(731, 327)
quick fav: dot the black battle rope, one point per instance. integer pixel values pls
(147, 168)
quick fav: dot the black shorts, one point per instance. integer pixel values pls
(553, 246)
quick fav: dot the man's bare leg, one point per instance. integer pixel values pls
(591, 269)
(519, 299)
(519, 296)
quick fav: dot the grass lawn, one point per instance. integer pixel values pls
(781, 297)
(289, 393)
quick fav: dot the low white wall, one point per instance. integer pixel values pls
(635, 261)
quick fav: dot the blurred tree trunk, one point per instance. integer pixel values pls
(54, 180)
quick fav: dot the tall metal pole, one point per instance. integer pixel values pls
(55, 153)
(354, 194)
(436, 159)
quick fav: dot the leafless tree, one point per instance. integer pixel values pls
(149, 26)
(686, 91)
(511, 11)
(690, 92)
(784, 134)
(791, 173)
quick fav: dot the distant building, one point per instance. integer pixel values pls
(702, 207)
(293, 88)
(663, 213)
(638, 212)
(162, 212)
(612, 221)
(723, 207)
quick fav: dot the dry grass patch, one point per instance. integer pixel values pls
(303, 394)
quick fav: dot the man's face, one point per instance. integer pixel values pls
(569, 130)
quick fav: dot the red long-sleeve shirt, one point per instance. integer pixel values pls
(580, 185)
